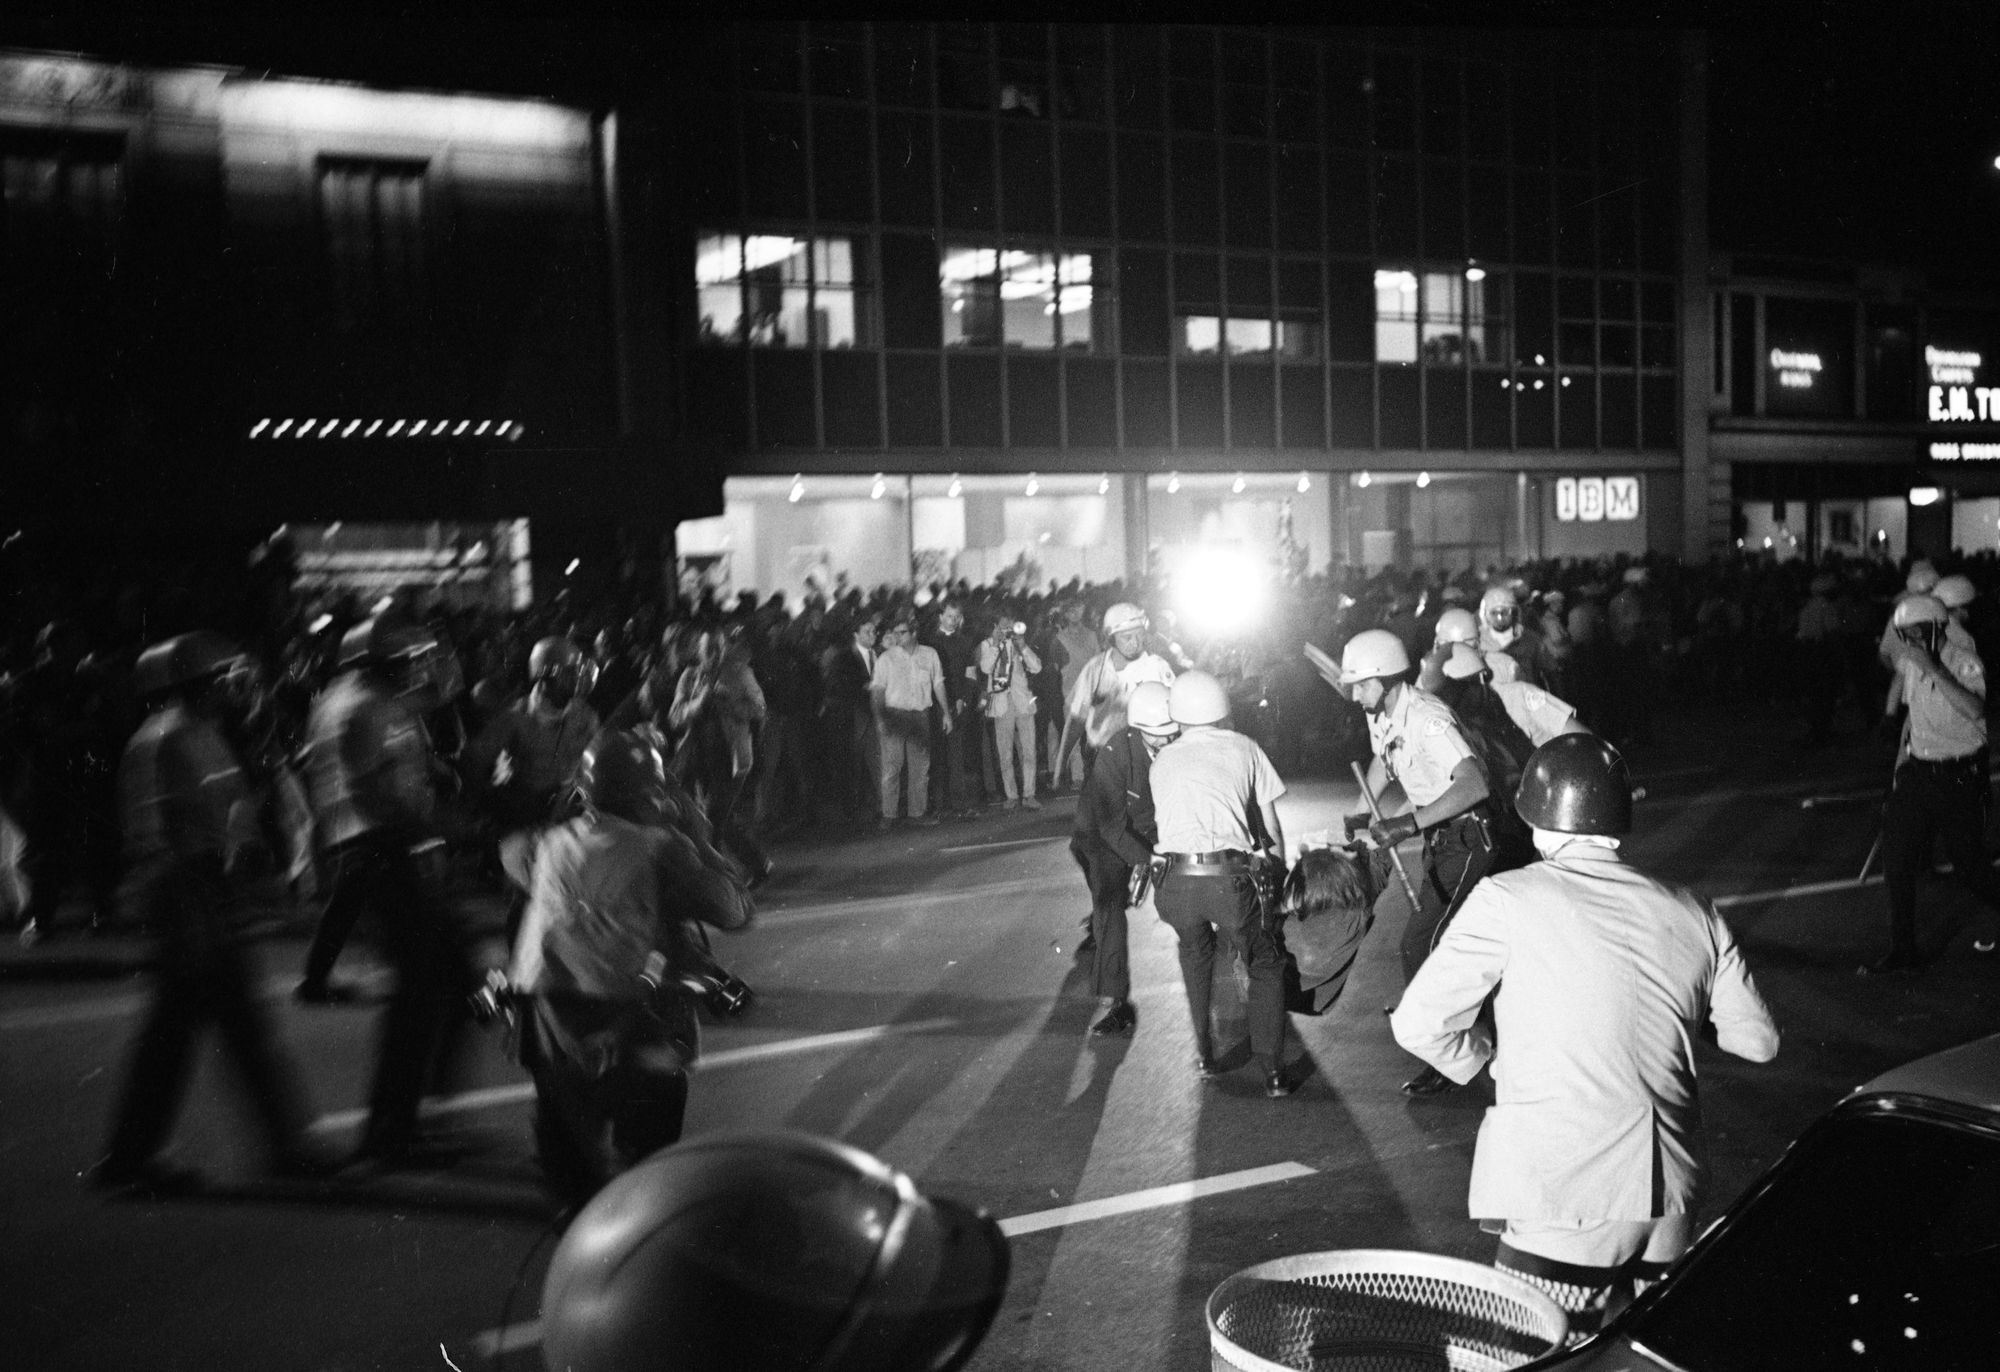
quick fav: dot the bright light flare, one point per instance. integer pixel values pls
(1221, 591)
(1921, 496)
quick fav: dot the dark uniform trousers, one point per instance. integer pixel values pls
(426, 1015)
(1947, 800)
(1204, 910)
(204, 975)
(1109, 878)
(598, 1114)
(1457, 853)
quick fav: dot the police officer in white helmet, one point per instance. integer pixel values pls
(1418, 742)
(1215, 798)
(1096, 710)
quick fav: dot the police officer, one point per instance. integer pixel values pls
(192, 837)
(370, 776)
(1502, 633)
(1456, 625)
(1419, 743)
(1097, 701)
(1215, 797)
(615, 972)
(1956, 594)
(1940, 787)
(1590, 1163)
(524, 761)
(1114, 833)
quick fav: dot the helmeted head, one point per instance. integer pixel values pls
(186, 663)
(1151, 711)
(1954, 592)
(1576, 784)
(1125, 626)
(1370, 663)
(389, 647)
(623, 774)
(768, 1251)
(1499, 609)
(1197, 698)
(1920, 619)
(1922, 577)
(555, 669)
(1466, 663)
(1456, 625)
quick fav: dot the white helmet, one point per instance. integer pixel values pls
(1197, 698)
(1373, 653)
(1457, 625)
(1123, 617)
(1955, 591)
(1465, 661)
(1499, 608)
(1922, 578)
(1150, 710)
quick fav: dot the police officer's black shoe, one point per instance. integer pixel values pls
(1888, 964)
(1207, 1068)
(1121, 1019)
(1277, 1084)
(1429, 1082)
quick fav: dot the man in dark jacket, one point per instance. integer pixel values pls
(1113, 834)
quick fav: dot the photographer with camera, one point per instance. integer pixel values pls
(611, 962)
(1007, 665)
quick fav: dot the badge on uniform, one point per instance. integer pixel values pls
(1436, 724)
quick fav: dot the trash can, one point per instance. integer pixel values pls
(1384, 1310)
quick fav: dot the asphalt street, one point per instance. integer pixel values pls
(920, 997)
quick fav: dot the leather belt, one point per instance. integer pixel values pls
(1229, 862)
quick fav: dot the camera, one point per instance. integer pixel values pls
(1019, 628)
(493, 1000)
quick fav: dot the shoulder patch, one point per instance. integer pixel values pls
(1535, 697)
(1436, 724)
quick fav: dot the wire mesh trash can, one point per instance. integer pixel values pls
(1378, 1310)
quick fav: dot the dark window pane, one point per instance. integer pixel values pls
(839, 69)
(966, 147)
(708, 151)
(1142, 302)
(1534, 225)
(1191, 54)
(1243, 113)
(1444, 409)
(1080, 44)
(1298, 198)
(1195, 193)
(902, 65)
(1617, 298)
(1136, 75)
(909, 290)
(1574, 129)
(771, 57)
(1619, 398)
(1200, 407)
(974, 387)
(1486, 211)
(1197, 282)
(964, 79)
(1247, 200)
(1492, 410)
(1250, 287)
(1093, 403)
(1535, 412)
(1531, 116)
(1442, 105)
(1252, 392)
(1659, 412)
(1617, 227)
(908, 186)
(1023, 90)
(1086, 183)
(1298, 287)
(1576, 399)
(1146, 404)
(853, 419)
(1534, 320)
(1350, 313)
(1142, 187)
(1402, 410)
(1444, 210)
(1027, 178)
(1023, 42)
(1346, 96)
(1890, 363)
(841, 178)
(1351, 391)
(1033, 409)
(1656, 301)
(1659, 223)
(774, 149)
(1616, 346)
(1486, 111)
(1576, 222)
(718, 397)
(1243, 57)
(1657, 347)
(1302, 408)
(1347, 205)
(1395, 207)
(1191, 106)
(915, 420)
(1295, 64)
(1080, 93)
(1295, 115)
(1395, 100)
(784, 399)
(1576, 344)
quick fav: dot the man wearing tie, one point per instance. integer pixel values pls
(852, 760)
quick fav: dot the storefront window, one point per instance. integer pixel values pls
(775, 291)
(1004, 298)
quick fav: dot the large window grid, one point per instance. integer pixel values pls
(1010, 298)
(781, 291)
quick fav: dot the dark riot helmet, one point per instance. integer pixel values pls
(1576, 784)
(384, 642)
(184, 660)
(761, 1251)
(623, 774)
(555, 664)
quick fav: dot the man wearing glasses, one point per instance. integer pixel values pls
(908, 680)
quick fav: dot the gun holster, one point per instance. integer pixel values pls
(1145, 877)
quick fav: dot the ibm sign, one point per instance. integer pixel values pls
(1590, 499)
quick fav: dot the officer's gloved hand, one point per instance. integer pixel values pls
(1389, 832)
(1355, 824)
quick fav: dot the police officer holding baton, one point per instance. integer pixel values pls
(1215, 798)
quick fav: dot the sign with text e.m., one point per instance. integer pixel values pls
(1591, 499)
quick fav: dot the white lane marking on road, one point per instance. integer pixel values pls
(1002, 843)
(910, 902)
(1812, 888)
(1866, 792)
(516, 1092)
(514, 1337)
(1674, 772)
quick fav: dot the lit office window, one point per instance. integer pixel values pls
(1395, 315)
(776, 291)
(1446, 317)
(372, 214)
(1006, 298)
(1200, 335)
(1300, 340)
(1293, 340)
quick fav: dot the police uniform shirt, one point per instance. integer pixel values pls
(366, 754)
(1204, 784)
(1419, 742)
(1105, 686)
(182, 792)
(1534, 711)
(1938, 732)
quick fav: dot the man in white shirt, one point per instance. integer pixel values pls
(908, 680)
(1006, 663)
(1590, 1161)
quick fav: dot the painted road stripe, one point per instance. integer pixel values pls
(1004, 843)
(514, 1337)
(1814, 888)
(515, 1093)
(911, 902)
(1866, 793)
